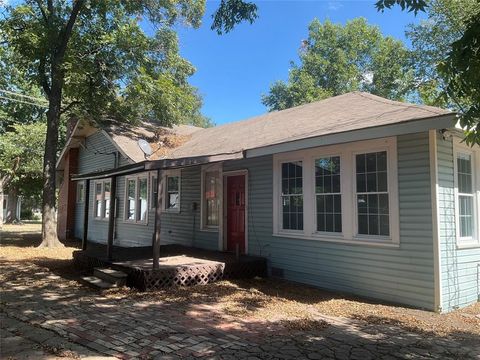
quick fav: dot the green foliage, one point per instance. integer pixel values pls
(446, 57)
(410, 5)
(21, 157)
(231, 13)
(111, 67)
(461, 70)
(336, 59)
(15, 109)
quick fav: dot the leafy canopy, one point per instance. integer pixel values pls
(336, 59)
(21, 154)
(17, 109)
(111, 67)
(447, 49)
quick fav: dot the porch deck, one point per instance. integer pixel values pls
(179, 265)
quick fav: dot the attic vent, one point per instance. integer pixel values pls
(277, 272)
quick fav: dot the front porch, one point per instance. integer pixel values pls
(178, 265)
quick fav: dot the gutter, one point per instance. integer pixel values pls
(158, 165)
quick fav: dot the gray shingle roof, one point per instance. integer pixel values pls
(351, 111)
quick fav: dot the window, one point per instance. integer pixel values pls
(372, 194)
(80, 192)
(136, 199)
(131, 195)
(211, 198)
(328, 198)
(173, 193)
(292, 195)
(466, 197)
(154, 192)
(340, 193)
(102, 199)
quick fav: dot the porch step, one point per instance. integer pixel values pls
(114, 277)
(97, 283)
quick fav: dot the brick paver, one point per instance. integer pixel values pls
(146, 329)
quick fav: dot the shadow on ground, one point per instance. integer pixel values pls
(218, 319)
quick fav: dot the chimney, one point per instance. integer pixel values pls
(71, 125)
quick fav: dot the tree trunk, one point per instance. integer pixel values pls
(49, 220)
(1, 201)
(11, 216)
(54, 92)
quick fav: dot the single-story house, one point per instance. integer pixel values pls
(355, 193)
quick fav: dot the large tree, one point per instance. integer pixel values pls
(93, 59)
(336, 59)
(447, 49)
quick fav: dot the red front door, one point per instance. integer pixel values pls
(236, 213)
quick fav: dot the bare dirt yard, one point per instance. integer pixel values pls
(241, 309)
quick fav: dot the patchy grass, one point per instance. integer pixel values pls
(298, 307)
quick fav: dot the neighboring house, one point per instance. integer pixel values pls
(354, 193)
(5, 205)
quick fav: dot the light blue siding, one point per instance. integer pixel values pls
(98, 153)
(459, 267)
(176, 228)
(402, 274)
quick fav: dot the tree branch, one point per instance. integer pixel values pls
(42, 10)
(43, 76)
(67, 32)
(69, 106)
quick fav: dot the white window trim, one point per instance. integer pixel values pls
(125, 203)
(205, 169)
(102, 210)
(474, 241)
(278, 178)
(171, 173)
(333, 234)
(349, 207)
(78, 199)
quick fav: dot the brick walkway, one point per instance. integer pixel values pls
(152, 329)
(20, 340)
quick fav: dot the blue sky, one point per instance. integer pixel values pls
(235, 69)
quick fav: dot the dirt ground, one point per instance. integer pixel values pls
(260, 299)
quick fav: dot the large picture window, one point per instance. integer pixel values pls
(328, 196)
(340, 193)
(136, 199)
(292, 195)
(102, 199)
(372, 194)
(466, 200)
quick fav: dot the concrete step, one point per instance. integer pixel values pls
(115, 277)
(97, 283)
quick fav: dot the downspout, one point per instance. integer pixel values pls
(432, 134)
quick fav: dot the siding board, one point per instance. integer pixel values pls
(460, 267)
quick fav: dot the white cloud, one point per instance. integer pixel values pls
(334, 5)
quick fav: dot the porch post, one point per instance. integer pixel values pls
(86, 204)
(111, 217)
(158, 213)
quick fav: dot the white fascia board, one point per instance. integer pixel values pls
(409, 127)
